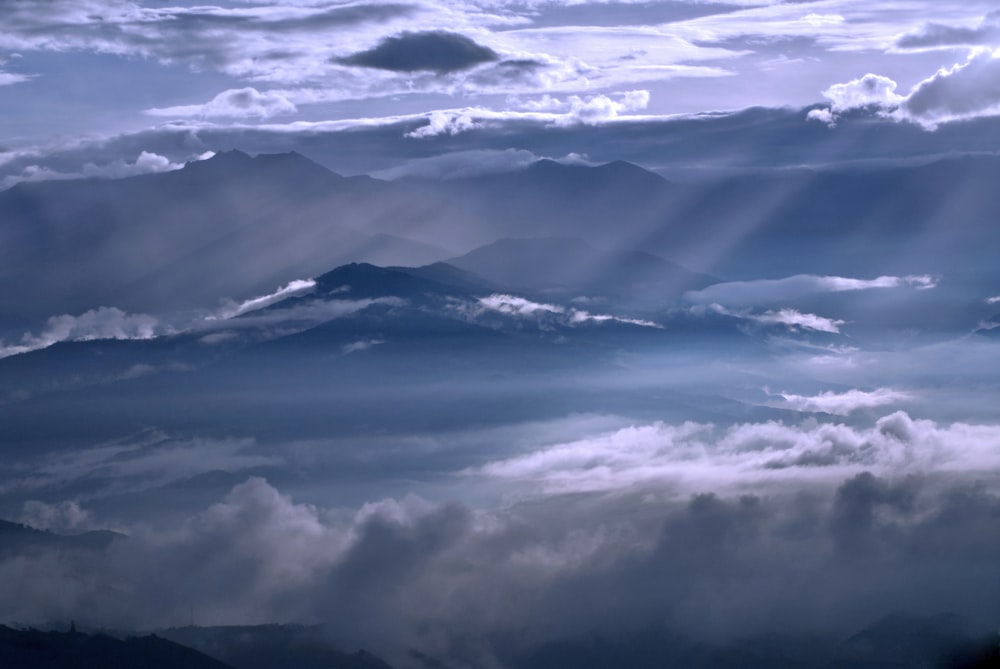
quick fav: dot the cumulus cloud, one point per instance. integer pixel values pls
(234, 103)
(869, 90)
(965, 91)
(591, 109)
(572, 111)
(437, 51)
(101, 323)
(764, 291)
(445, 123)
(842, 404)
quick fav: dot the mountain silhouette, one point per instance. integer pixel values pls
(35, 649)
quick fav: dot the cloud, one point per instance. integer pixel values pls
(580, 316)
(146, 163)
(511, 305)
(462, 164)
(67, 516)
(436, 51)
(869, 90)
(234, 103)
(796, 319)
(592, 109)
(101, 323)
(965, 91)
(444, 123)
(993, 300)
(698, 454)
(490, 586)
(517, 306)
(9, 78)
(764, 291)
(292, 289)
(791, 318)
(842, 404)
(936, 35)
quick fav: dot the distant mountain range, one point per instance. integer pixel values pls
(235, 226)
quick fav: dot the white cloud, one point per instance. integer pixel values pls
(796, 319)
(993, 300)
(871, 89)
(791, 318)
(234, 103)
(146, 163)
(579, 316)
(444, 123)
(695, 455)
(965, 91)
(512, 305)
(763, 291)
(599, 108)
(101, 323)
(822, 115)
(292, 289)
(519, 306)
(842, 404)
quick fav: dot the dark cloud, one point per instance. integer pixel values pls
(437, 51)
(491, 587)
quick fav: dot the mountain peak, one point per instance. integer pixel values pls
(291, 163)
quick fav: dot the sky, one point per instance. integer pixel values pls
(749, 394)
(76, 74)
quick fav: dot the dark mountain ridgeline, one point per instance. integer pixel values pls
(34, 649)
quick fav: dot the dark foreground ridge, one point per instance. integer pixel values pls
(26, 649)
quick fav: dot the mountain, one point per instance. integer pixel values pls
(231, 226)
(34, 649)
(371, 349)
(235, 226)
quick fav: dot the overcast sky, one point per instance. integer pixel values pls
(75, 71)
